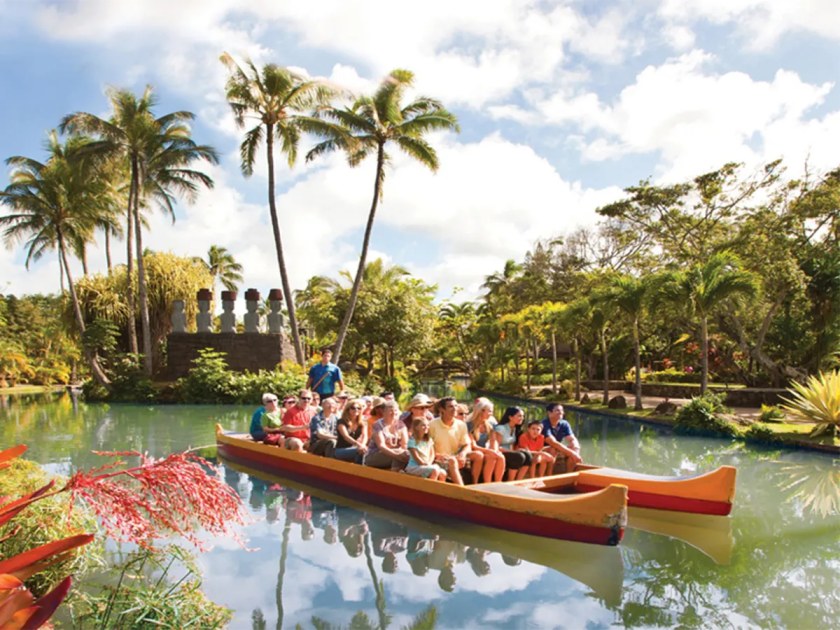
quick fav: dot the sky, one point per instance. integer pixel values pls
(561, 105)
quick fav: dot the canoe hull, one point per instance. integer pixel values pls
(595, 518)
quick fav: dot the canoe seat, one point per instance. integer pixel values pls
(508, 489)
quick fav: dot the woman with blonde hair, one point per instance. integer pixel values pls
(480, 424)
(351, 443)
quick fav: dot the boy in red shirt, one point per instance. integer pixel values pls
(533, 440)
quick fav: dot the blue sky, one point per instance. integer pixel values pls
(561, 105)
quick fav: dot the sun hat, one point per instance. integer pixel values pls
(376, 401)
(269, 397)
(344, 395)
(420, 400)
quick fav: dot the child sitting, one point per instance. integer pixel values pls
(421, 449)
(533, 441)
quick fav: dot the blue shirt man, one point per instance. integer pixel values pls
(559, 437)
(324, 376)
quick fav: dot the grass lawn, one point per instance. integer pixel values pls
(31, 389)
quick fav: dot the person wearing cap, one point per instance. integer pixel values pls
(295, 427)
(341, 400)
(266, 421)
(452, 442)
(324, 376)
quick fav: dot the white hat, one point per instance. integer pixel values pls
(269, 397)
(420, 400)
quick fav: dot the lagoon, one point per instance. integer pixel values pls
(775, 562)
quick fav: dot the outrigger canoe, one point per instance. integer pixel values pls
(595, 517)
(706, 493)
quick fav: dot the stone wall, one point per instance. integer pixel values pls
(245, 351)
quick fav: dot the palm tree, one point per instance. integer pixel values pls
(278, 100)
(158, 152)
(53, 205)
(223, 266)
(629, 295)
(704, 288)
(367, 127)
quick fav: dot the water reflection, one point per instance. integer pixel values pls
(774, 563)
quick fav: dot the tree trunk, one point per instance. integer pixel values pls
(83, 258)
(553, 363)
(91, 357)
(603, 335)
(278, 244)
(638, 352)
(527, 367)
(141, 283)
(129, 264)
(357, 281)
(577, 367)
(108, 249)
(704, 339)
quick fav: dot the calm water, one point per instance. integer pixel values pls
(773, 563)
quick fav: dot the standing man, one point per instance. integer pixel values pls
(296, 420)
(324, 376)
(452, 442)
(559, 438)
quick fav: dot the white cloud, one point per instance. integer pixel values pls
(762, 22)
(694, 118)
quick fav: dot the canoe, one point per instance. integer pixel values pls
(706, 493)
(595, 517)
(600, 568)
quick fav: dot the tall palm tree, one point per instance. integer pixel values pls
(278, 100)
(158, 152)
(367, 127)
(223, 266)
(629, 295)
(52, 205)
(704, 288)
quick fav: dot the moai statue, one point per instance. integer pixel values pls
(252, 318)
(227, 318)
(275, 317)
(179, 318)
(203, 320)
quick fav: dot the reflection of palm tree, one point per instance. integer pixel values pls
(284, 554)
(816, 488)
(378, 586)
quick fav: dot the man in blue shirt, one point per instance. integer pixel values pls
(559, 438)
(324, 376)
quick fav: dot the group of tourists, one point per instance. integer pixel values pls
(436, 439)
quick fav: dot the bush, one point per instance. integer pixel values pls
(672, 375)
(817, 401)
(42, 522)
(771, 413)
(760, 433)
(210, 381)
(701, 416)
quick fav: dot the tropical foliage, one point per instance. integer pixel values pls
(817, 401)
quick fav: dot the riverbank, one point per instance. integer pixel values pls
(792, 435)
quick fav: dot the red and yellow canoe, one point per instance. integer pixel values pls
(595, 517)
(706, 493)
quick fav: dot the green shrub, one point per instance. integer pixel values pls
(701, 416)
(817, 401)
(672, 375)
(147, 596)
(42, 522)
(760, 433)
(359, 385)
(771, 413)
(210, 381)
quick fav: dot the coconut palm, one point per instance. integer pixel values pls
(158, 152)
(52, 205)
(704, 288)
(629, 295)
(367, 127)
(278, 100)
(223, 266)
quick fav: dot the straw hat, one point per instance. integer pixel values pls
(420, 400)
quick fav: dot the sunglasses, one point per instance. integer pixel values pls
(306, 398)
(355, 408)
